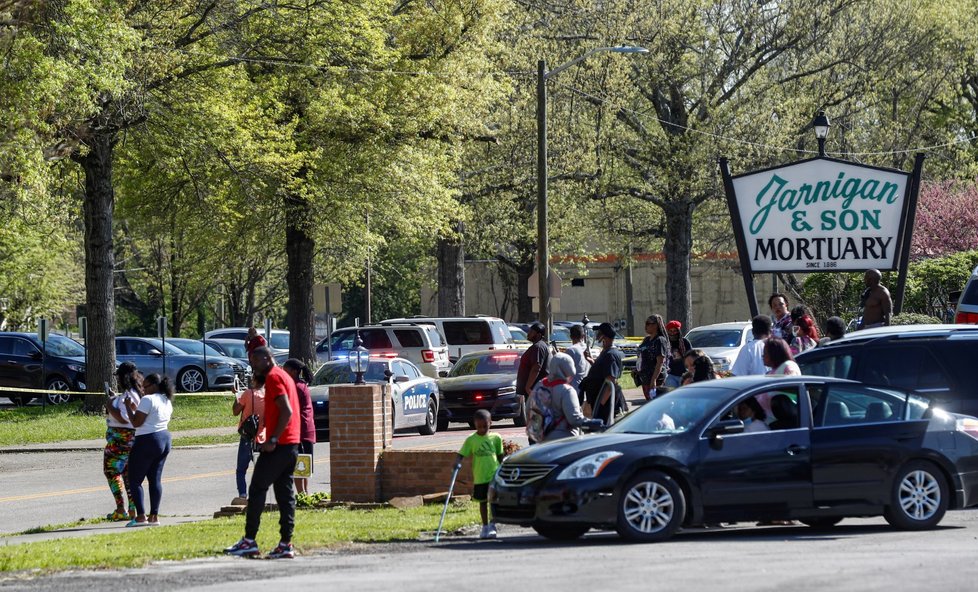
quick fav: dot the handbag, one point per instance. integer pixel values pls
(249, 427)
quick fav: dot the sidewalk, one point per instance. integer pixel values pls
(99, 444)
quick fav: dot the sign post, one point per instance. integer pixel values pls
(328, 299)
(42, 332)
(83, 331)
(822, 215)
(161, 333)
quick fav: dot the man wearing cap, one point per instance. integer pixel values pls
(678, 346)
(533, 364)
(607, 368)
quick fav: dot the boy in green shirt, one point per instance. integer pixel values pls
(486, 450)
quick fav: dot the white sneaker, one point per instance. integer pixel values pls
(485, 531)
(491, 530)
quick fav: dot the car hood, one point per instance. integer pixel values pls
(319, 393)
(477, 381)
(569, 449)
(722, 352)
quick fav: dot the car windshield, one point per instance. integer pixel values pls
(518, 334)
(59, 345)
(280, 341)
(195, 347)
(502, 363)
(171, 350)
(675, 412)
(234, 349)
(340, 373)
(714, 338)
(560, 334)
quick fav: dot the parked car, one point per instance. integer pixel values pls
(465, 334)
(421, 344)
(481, 380)
(414, 397)
(187, 371)
(628, 347)
(967, 311)
(278, 343)
(721, 341)
(521, 342)
(840, 449)
(20, 366)
(934, 360)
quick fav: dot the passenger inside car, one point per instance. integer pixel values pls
(785, 413)
(753, 415)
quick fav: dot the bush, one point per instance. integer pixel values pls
(913, 318)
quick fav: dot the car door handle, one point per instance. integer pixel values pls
(795, 449)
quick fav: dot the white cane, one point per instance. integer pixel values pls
(451, 488)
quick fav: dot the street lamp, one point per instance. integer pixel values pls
(543, 248)
(821, 125)
(359, 359)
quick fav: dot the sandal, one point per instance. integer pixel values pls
(118, 516)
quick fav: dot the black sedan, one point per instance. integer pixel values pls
(801, 448)
(481, 380)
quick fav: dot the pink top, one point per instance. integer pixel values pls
(259, 409)
(307, 424)
(788, 368)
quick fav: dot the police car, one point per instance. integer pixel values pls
(414, 397)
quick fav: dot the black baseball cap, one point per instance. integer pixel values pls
(538, 327)
(606, 330)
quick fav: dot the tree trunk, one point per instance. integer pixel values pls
(99, 266)
(678, 251)
(451, 275)
(300, 248)
(524, 306)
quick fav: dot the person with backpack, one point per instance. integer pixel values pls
(555, 410)
(250, 405)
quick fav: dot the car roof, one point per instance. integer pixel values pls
(904, 331)
(728, 325)
(745, 382)
(261, 330)
(415, 320)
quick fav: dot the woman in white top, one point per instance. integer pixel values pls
(119, 436)
(151, 446)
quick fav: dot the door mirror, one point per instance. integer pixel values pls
(723, 428)
(155, 352)
(401, 378)
(35, 355)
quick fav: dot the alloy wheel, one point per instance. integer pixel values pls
(920, 495)
(192, 380)
(58, 384)
(648, 507)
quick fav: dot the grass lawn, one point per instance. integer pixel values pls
(35, 425)
(314, 529)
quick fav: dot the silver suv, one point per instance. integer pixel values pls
(420, 344)
(967, 312)
(465, 334)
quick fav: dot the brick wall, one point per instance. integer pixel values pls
(420, 472)
(357, 433)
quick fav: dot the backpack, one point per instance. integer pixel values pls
(540, 417)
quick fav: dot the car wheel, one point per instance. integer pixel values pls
(560, 532)
(821, 523)
(442, 424)
(651, 507)
(430, 420)
(520, 419)
(57, 383)
(191, 380)
(919, 497)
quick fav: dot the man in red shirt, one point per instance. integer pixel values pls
(276, 463)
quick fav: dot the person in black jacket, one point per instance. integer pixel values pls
(678, 346)
(605, 373)
(652, 355)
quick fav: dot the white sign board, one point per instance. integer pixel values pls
(821, 215)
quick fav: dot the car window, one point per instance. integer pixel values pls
(560, 334)
(714, 338)
(280, 341)
(22, 347)
(781, 408)
(674, 412)
(501, 331)
(137, 348)
(343, 340)
(469, 333)
(242, 335)
(485, 364)
(410, 371)
(970, 295)
(434, 336)
(340, 373)
(760, 416)
(59, 345)
(904, 367)
(518, 334)
(234, 349)
(851, 404)
(409, 337)
(836, 366)
(376, 339)
(6, 345)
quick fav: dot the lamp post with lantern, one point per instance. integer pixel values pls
(359, 359)
(821, 126)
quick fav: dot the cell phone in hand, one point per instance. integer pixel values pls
(108, 390)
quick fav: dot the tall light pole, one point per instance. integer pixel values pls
(543, 246)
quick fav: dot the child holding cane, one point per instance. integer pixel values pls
(486, 450)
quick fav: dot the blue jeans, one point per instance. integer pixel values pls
(244, 459)
(674, 381)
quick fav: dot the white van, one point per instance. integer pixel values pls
(465, 334)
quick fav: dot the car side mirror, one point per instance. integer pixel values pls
(155, 352)
(724, 428)
(401, 379)
(35, 355)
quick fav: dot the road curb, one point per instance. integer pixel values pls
(36, 450)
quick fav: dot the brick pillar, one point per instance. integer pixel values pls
(359, 429)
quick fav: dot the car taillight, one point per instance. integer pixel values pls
(968, 426)
(427, 355)
(966, 318)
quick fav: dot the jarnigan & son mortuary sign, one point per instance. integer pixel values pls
(822, 214)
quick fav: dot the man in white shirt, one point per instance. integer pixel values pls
(581, 356)
(750, 360)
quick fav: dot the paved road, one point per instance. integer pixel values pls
(860, 555)
(38, 489)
